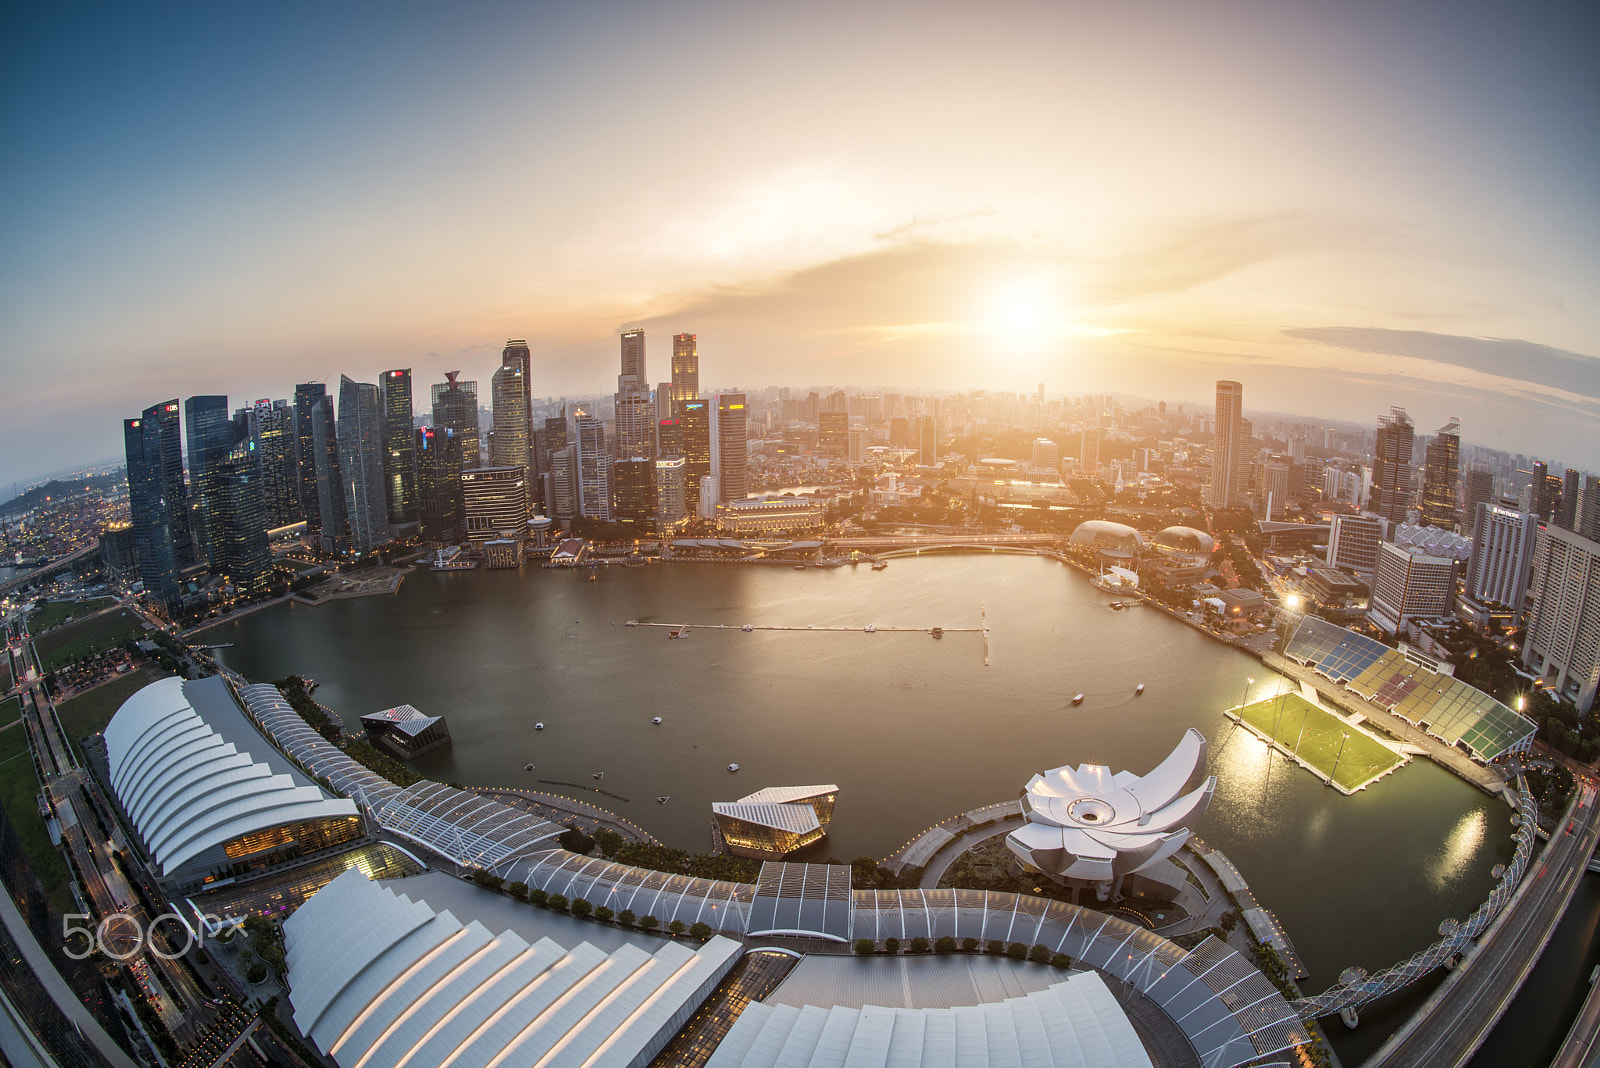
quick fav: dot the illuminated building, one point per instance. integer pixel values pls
(594, 468)
(635, 416)
(239, 521)
(455, 408)
(1353, 542)
(671, 499)
(495, 501)
(1563, 638)
(1408, 583)
(1088, 827)
(508, 445)
(685, 369)
(769, 515)
(440, 511)
(928, 439)
(1441, 463)
(772, 823)
(634, 375)
(710, 497)
(696, 417)
(207, 797)
(211, 433)
(399, 455)
(833, 433)
(272, 428)
(1046, 454)
(669, 437)
(732, 459)
(332, 526)
(116, 550)
(1391, 466)
(1227, 465)
(158, 500)
(502, 553)
(633, 490)
(360, 434)
(563, 503)
(306, 396)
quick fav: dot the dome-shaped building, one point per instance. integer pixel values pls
(1113, 541)
(1186, 545)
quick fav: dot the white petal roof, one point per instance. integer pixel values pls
(784, 795)
(192, 772)
(800, 819)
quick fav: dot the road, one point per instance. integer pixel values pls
(1448, 1029)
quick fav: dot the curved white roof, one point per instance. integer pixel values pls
(192, 773)
(1104, 534)
(380, 981)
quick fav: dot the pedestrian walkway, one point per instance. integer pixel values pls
(558, 809)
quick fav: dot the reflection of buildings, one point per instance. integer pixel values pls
(405, 732)
(1087, 827)
(775, 822)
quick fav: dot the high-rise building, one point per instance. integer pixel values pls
(1409, 584)
(1353, 542)
(455, 408)
(306, 396)
(508, 447)
(440, 511)
(1562, 645)
(669, 437)
(1089, 451)
(211, 432)
(633, 491)
(696, 419)
(594, 468)
(333, 527)
(859, 437)
(1046, 454)
(1477, 487)
(563, 502)
(1441, 462)
(928, 439)
(710, 496)
(685, 369)
(636, 423)
(633, 374)
(1567, 512)
(1391, 466)
(1539, 498)
(495, 500)
(1502, 556)
(360, 434)
(833, 433)
(399, 450)
(239, 520)
(272, 428)
(732, 446)
(158, 501)
(1226, 466)
(1587, 521)
(671, 493)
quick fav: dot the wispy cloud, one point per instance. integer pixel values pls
(1509, 358)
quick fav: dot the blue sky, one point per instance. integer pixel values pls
(1345, 206)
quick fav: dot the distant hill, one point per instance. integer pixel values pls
(58, 488)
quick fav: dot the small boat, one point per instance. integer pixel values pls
(1117, 606)
(656, 720)
(937, 632)
(1078, 700)
(631, 623)
(1139, 689)
(747, 628)
(678, 632)
(663, 799)
(733, 767)
(799, 567)
(870, 628)
(528, 767)
(879, 566)
(538, 726)
(598, 775)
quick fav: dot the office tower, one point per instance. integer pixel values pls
(333, 527)
(1046, 454)
(1391, 466)
(555, 437)
(1224, 490)
(594, 468)
(1477, 488)
(272, 428)
(672, 502)
(665, 409)
(1562, 644)
(211, 433)
(858, 444)
(927, 441)
(1539, 490)
(633, 491)
(1409, 584)
(455, 408)
(1587, 519)
(306, 396)
(158, 501)
(732, 447)
(508, 446)
(440, 512)
(633, 374)
(1502, 556)
(1441, 461)
(1353, 542)
(399, 450)
(710, 495)
(239, 520)
(1089, 451)
(833, 433)
(669, 437)
(836, 403)
(685, 369)
(1273, 480)
(495, 501)
(900, 431)
(563, 503)
(360, 443)
(636, 424)
(696, 418)
(1567, 512)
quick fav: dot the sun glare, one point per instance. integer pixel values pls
(1023, 313)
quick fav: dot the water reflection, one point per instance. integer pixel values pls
(1459, 851)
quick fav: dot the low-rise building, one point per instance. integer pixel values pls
(770, 515)
(772, 823)
(405, 732)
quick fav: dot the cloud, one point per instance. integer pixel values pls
(1520, 361)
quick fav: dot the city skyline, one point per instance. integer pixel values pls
(1365, 204)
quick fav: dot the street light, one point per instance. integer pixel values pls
(1344, 736)
(1245, 693)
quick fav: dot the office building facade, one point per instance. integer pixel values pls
(272, 428)
(1391, 466)
(672, 500)
(1353, 542)
(594, 468)
(306, 396)
(440, 512)
(455, 408)
(239, 521)
(1562, 645)
(158, 501)
(495, 501)
(1409, 584)
(360, 443)
(685, 369)
(697, 415)
(211, 433)
(399, 455)
(508, 443)
(1440, 476)
(1502, 556)
(833, 434)
(1224, 489)
(732, 467)
(633, 491)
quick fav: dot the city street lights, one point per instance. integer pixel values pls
(1344, 736)
(1245, 693)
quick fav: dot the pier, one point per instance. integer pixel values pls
(870, 628)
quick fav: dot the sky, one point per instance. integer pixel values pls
(1345, 206)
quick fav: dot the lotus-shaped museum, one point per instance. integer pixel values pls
(1086, 825)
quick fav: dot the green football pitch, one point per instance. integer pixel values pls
(1348, 756)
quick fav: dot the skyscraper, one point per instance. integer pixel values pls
(633, 491)
(211, 433)
(1477, 488)
(1441, 462)
(399, 450)
(440, 514)
(1567, 513)
(272, 428)
(669, 437)
(1391, 466)
(1223, 491)
(672, 505)
(1409, 584)
(563, 503)
(685, 369)
(306, 396)
(333, 526)
(455, 408)
(509, 445)
(928, 439)
(594, 468)
(1562, 644)
(696, 428)
(732, 446)
(360, 434)
(1502, 555)
(633, 374)
(158, 501)
(495, 500)
(1587, 521)
(239, 520)
(833, 433)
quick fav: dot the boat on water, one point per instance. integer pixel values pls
(1139, 689)
(799, 567)
(656, 720)
(747, 628)
(1078, 700)
(631, 623)
(538, 726)
(879, 566)
(598, 775)
(870, 628)
(528, 767)
(937, 632)
(1117, 606)
(663, 799)
(679, 632)
(733, 767)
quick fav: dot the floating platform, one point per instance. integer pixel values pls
(1334, 748)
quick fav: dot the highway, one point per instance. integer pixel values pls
(1448, 1029)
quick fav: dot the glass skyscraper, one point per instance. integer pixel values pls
(399, 457)
(360, 434)
(158, 501)
(211, 433)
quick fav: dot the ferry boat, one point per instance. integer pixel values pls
(1117, 606)
(679, 632)
(1139, 689)
(657, 720)
(631, 623)
(1078, 700)
(880, 565)
(937, 632)
(733, 767)
(871, 628)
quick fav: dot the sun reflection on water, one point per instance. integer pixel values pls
(1461, 846)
